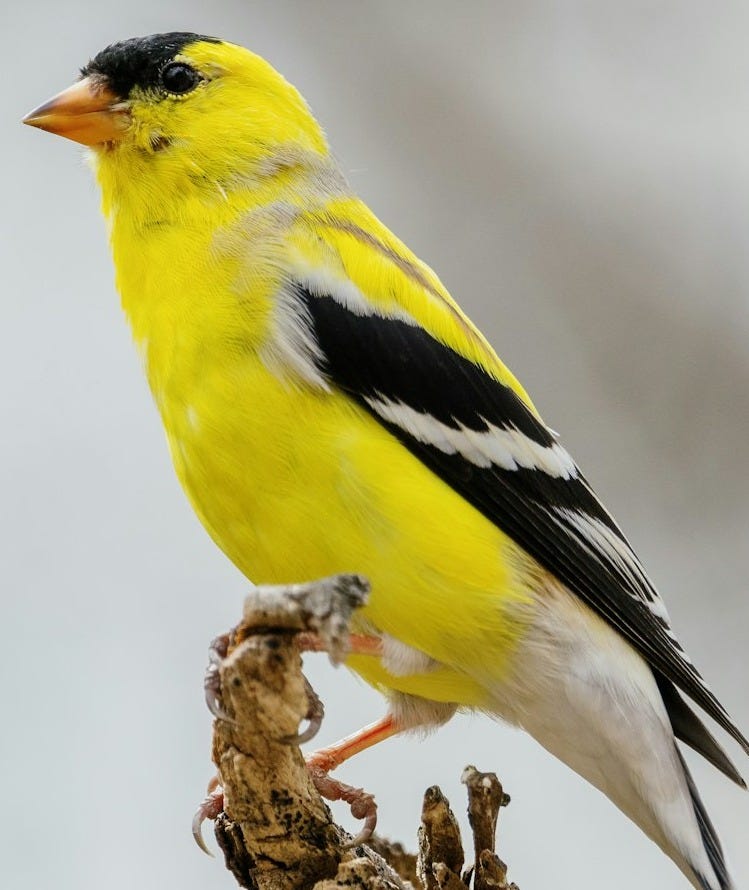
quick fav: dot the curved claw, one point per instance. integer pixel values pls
(213, 701)
(197, 831)
(212, 680)
(369, 814)
(315, 714)
(306, 735)
(208, 809)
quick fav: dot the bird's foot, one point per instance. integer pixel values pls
(361, 802)
(322, 762)
(212, 681)
(210, 808)
(314, 716)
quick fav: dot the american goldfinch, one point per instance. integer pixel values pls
(329, 408)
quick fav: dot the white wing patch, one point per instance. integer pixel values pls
(506, 448)
(604, 544)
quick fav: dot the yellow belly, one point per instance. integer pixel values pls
(294, 485)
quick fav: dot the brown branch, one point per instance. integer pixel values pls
(485, 797)
(276, 833)
(440, 846)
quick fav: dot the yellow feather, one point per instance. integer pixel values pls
(221, 198)
(293, 482)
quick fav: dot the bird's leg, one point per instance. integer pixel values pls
(321, 762)
(358, 644)
(326, 759)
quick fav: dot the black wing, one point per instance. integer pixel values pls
(480, 438)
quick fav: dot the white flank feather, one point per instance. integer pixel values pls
(591, 700)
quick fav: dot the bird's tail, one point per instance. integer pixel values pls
(584, 693)
(709, 839)
(634, 759)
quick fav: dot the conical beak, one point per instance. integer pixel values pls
(88, 112)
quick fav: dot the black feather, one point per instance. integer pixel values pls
(689, 729)
(371, 357)
(709, 838)
(139, 60)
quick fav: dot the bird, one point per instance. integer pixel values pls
(330, 408)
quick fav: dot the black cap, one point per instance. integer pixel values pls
(139, 60)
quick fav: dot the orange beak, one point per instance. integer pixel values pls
(88, 112)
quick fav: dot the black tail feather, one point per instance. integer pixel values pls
(709, 839)
(688, 727)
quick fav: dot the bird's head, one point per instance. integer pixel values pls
(182, 109)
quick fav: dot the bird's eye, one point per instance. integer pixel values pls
(179, 78)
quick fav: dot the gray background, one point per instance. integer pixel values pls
(578, 174)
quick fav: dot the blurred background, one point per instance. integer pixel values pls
(578, 174)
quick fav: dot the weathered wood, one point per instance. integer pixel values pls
(275, 831)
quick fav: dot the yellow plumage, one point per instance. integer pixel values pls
(329, 408)
(292, 483)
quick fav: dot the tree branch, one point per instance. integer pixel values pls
(275, 831)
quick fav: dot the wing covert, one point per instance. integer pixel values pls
(480, 438)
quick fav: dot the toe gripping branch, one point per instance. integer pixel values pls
(271, 823)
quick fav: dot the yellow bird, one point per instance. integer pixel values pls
(329, 408)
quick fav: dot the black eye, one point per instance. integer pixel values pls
(179, 78)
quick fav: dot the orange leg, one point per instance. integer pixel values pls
(327, 759)
(359, 644)
(320, 763)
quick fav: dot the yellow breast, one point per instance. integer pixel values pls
(294, 482)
